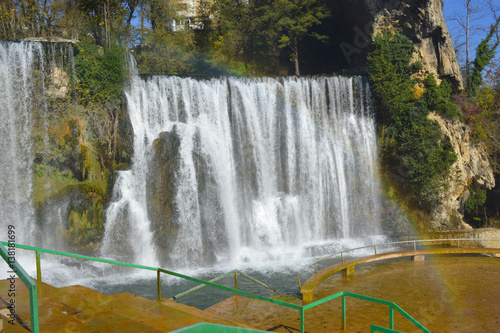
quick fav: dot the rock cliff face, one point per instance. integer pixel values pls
(422, 21)
(471, 169)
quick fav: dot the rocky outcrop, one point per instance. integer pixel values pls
(161, 195)
(422, 21)
(472, 168)
(51, 40)
(59, 84)
(161, 191)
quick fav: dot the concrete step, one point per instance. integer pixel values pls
(53, 316)
(80, 309)
(127, 309)
(99, 318)
(7, 325)
(177, 312)
(61, 311)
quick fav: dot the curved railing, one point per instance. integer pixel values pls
(301, 308)
(411, 243)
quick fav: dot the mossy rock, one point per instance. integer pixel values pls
(81, 215)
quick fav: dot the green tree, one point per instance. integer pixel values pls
(296, 18)
(484, 54)
(232, 40)
(101, 19)
(245, 33)
(30, 18)
(166, 52)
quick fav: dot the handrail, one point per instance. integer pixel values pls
(375, 328)
(300, 308)
(28, 282)
(235, 272)
(414, 242)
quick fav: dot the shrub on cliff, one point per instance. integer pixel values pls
(415, 154)
(100, 74)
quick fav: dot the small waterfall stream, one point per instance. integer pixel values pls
(25, 70)
(21, 67)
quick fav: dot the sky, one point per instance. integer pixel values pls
(480, 22)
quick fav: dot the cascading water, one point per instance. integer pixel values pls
(262, 169)
(18, 62)
(27, 75)
(252, 170)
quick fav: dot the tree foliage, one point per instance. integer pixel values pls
(30, 18)
(101, 74)
(165, 53)
(257, 32)
(296, 17)
(484, 54)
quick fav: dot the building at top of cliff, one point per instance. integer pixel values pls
(190, 10)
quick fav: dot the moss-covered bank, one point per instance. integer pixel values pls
(82, 137)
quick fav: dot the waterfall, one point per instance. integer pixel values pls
(19, 63)
(28, 80)
(225, 170)
(260, 169)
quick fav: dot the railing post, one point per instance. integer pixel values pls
(375, 248)
(344, 313)
(458, 243)
(414, 245)
(35, 326)
(342, 256)
(38, 267)
(158, 281)
(315, 268)
(391, 317)
(302, 320)
(236, 280)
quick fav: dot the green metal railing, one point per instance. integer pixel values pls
(235, 273)
(376, 249)
(28, 282)
(375, 328)
(301, 308)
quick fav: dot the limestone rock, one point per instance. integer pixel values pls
(59, 84)
(51, 40)
(471, 168)
(423, 22)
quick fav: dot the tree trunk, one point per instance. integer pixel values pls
(142, 22)
(467, 54)
(105, 24)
